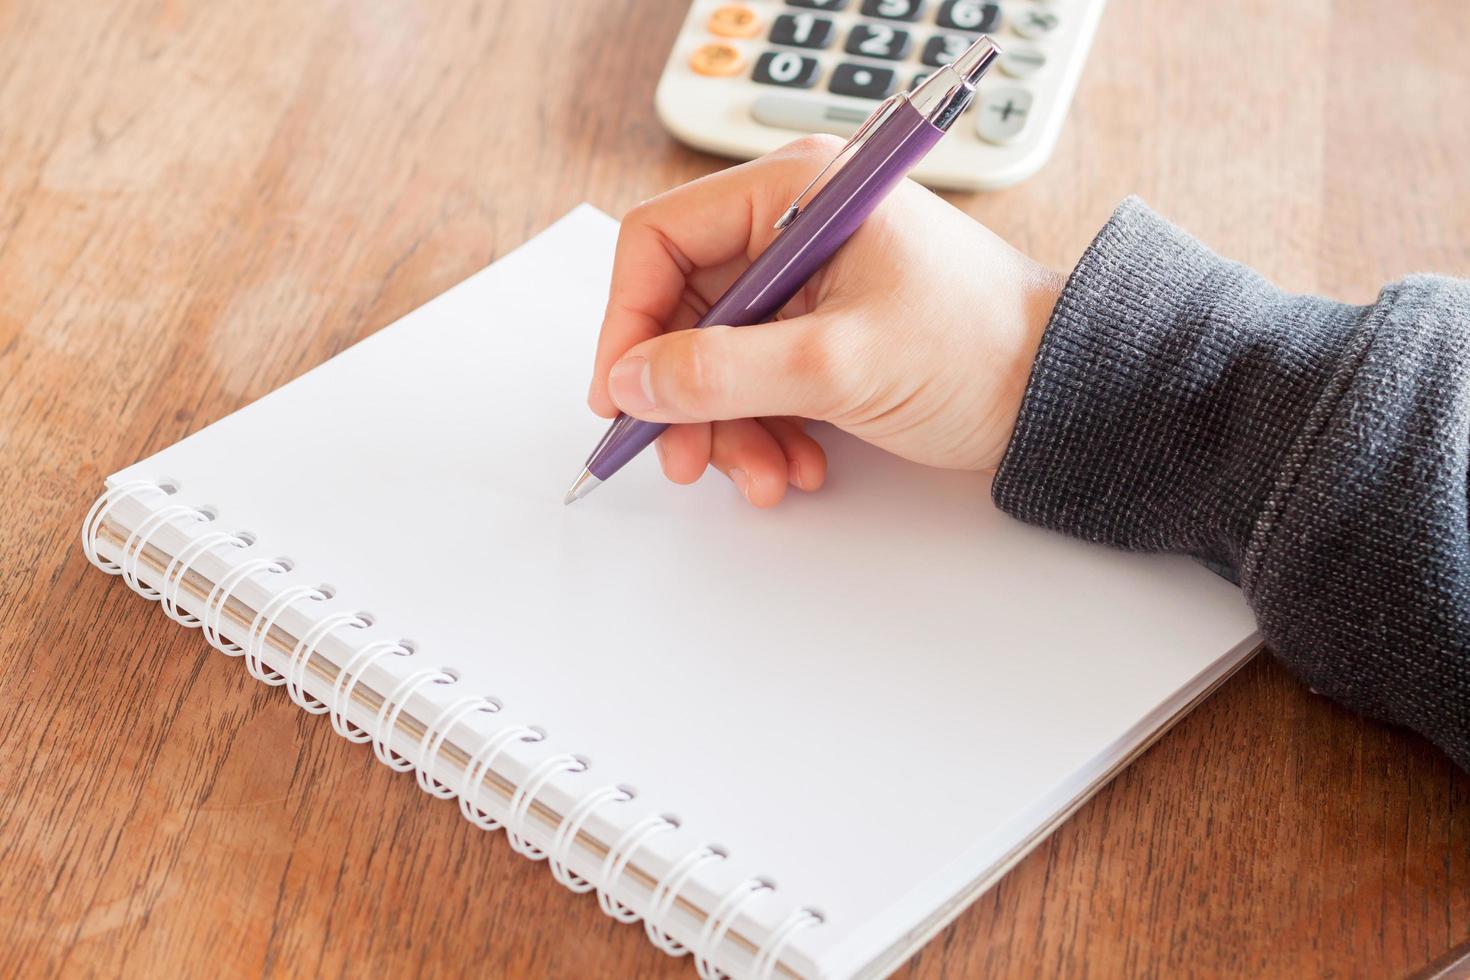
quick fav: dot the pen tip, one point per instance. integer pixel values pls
(581, 487)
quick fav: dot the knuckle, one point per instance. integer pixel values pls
(813, 147)
(697, 378)
(822, 361)
(637, 217)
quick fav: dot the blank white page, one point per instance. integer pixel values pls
(869, 694)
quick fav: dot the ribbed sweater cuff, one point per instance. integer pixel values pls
(1153, 416)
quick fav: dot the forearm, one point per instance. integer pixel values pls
(1312, 451)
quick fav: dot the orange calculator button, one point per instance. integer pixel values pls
(734, 20)
(716, 59)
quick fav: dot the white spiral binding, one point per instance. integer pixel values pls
(301, 654)
(717, 924)
(437, 731)
(525, 794)
(219, 597)
(770, 952)
(348, 676)
(661, 902)
(258, 634)
(481, 762)
(169, 601)
(102, 506)
(393, 703)
(571, 826)
(132, 549)
(617, 858)
(480, 765)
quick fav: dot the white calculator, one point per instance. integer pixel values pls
(745, 77)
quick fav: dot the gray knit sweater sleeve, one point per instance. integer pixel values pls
(1311, 451)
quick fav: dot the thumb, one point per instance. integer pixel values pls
(791, 367)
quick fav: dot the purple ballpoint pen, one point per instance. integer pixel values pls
(884, 149)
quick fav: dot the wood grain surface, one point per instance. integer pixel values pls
(200, 200)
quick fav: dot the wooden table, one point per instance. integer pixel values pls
(200, 200)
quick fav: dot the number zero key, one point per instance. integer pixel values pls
(786, 68)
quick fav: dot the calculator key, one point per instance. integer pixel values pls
(734, 20)
(818, 4)
(1002, 114)
(717, 59)
(893, 9)
(807, 115)
(969, 15)
(943, 49)
(786, 68)
(802, 31)
(1022, 62)
(863, 81)
(879, 41)
(1036, 24)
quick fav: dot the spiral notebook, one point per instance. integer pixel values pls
(793, 742)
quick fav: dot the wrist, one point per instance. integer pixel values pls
(1038, 291)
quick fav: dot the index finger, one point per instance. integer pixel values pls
(703, 223)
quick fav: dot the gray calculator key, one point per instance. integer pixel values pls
(1035, 23)
(807, 115)
(1002, 114)
(1022, 62)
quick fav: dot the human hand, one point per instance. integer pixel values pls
(918, 336)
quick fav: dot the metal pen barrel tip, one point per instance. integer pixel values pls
(581, 487)
(976, 59)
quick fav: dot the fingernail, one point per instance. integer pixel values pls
(741, 481)
(796, 475)
(630, 383)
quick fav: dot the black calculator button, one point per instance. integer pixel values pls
(943, 49)
(818, 4)
(893, 9)
(802, 31)
(786, 68)
(863, 81)
(969, 15)
(879, 41)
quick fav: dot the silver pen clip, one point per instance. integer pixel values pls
(877, 116)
